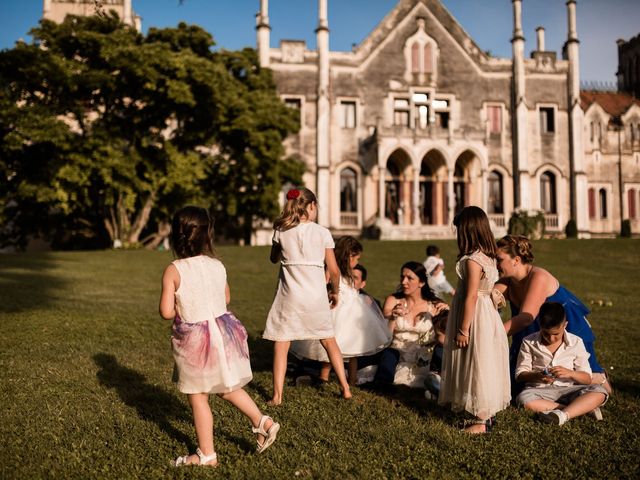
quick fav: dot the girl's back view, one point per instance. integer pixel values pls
(301, 307)
(209, 343)
(214, 360)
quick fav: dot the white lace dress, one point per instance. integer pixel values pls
(359, 325)
(415, 340)
(476, 378)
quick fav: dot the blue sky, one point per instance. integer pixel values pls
(489, 22)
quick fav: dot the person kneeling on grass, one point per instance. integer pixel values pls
(554, 364)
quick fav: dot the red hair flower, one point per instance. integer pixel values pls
(293, 194)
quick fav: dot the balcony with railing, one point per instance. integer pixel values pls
(498, 219)
(551, 222)
(349, 219)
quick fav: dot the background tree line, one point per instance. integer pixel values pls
(104, 132)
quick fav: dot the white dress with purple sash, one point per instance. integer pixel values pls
(209, 343)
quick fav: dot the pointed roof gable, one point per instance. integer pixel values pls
(404, 8)
(614, 103)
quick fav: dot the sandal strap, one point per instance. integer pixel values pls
(260, 428)
(205, 458)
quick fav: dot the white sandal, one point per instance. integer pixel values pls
(269, 435)
(204, 460)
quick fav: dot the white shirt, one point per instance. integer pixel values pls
(430, 265)
(534, 356)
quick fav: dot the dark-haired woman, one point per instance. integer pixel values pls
(527, 287)
(414, 313)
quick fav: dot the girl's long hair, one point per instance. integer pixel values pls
(192, 233)
(294, 209)
(346, 247)
(425, 292)
(474, 233)
(517, 246)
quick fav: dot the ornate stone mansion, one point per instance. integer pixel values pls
(418, 121)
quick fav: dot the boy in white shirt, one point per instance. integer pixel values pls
(555, 366)
(435, 272)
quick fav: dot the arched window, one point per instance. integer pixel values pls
(602, 196)
(348, 191)
(426, 194)
(548, 192)
(459, 188)
(495, 203)
(421, 57)
(393, 194)
(631, 198)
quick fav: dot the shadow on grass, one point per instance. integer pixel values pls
(630, 388)
(26, 283)
(261, 352)
(154, 404)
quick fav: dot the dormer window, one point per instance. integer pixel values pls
(421, 56)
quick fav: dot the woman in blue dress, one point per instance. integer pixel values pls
(527, 287)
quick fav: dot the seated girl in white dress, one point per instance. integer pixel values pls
(359, 326)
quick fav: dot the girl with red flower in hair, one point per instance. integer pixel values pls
(301, 309)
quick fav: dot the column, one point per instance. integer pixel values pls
(416, 197)
(381, 192)
(452, 199)
(323, 114)
(578, 178)
(263, 31)
(128, 17)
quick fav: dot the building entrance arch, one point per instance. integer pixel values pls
(432, 188)
(397, 190)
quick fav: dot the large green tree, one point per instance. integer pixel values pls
(104, 132)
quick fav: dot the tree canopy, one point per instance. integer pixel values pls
(104, 132)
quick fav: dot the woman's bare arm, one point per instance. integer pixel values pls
(537, 292)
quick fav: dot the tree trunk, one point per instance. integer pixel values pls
(155, 239)
(141, 220)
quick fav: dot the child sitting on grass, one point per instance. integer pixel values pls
(555, 366)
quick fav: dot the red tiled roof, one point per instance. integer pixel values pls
(614, 103)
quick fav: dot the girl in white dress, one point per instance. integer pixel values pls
(475, 374)
(209, 343)
(301, 309)
(359, 326)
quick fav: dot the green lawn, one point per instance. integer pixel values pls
(85, 366)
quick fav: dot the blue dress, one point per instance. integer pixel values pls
(577, 324)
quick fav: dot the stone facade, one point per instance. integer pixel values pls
(417, 122)
(422, 122)
(56, 10)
